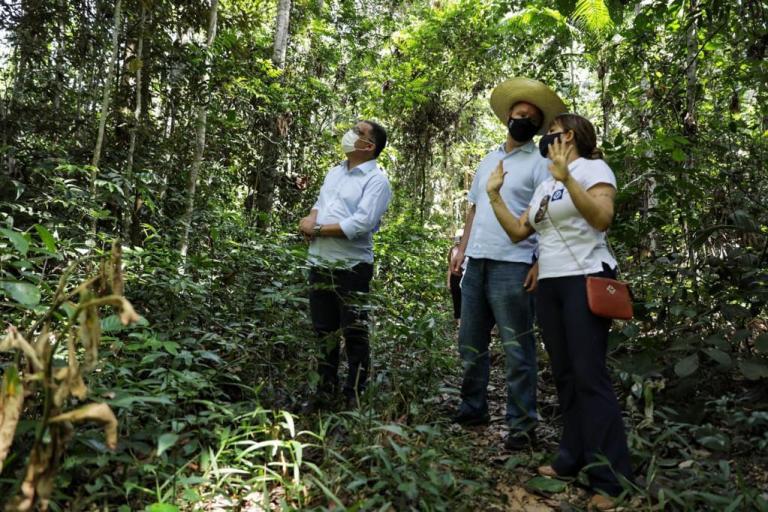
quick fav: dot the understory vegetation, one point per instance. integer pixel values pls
(156, 159)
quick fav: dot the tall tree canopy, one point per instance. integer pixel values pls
(198, 133)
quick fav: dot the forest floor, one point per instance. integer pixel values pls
(510, 478)
(503, 480)
(509, 472)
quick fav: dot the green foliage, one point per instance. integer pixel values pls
(201, 385)
(594, 16)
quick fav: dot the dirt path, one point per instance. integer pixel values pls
(516, 485)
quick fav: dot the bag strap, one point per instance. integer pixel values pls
(562, 238)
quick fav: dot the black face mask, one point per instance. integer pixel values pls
(522, 129)
(546, 140)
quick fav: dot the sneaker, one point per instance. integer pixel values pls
(520, 440)
(471, 420)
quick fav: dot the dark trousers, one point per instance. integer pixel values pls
(576, 341)
(456, 295)
(336, 301)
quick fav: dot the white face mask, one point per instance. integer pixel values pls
(348, 141)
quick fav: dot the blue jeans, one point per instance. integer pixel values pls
(492, 293)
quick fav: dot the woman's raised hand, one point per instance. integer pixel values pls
(495, 180)
(559, 153)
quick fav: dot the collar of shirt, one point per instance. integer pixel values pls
(528, 147)
(363, 167)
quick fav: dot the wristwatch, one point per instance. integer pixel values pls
(316, 229)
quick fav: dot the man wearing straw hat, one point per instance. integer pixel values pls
(500, 276)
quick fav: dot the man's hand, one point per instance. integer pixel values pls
(307, 225)
(307, 228)
(532, 279)
(456, 260)
(495, 180)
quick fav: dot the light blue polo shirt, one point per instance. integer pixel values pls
(526, 169)
(356, 199)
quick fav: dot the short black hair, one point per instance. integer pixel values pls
(379, 136)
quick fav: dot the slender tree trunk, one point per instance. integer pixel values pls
(170, 116)
(58, 73)
(130, 215)
(281, 33)
(605, 99)
(107, 95)
(574, 95)
(22, 55)
(689, 121)
(691, 82)
(266, 177)
(200, 123)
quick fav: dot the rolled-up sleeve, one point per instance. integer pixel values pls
(370, 209)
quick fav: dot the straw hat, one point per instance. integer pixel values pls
(531, 91)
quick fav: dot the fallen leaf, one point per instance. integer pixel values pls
(519, 499)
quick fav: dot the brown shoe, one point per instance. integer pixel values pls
(603, 504)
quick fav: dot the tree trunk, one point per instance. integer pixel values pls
(200, 124)
(266, 177)
(689, 119)
(106, 96)
(170, 124)
(130, 215)
(691, 82)
(281, 33)
(25, 54)
(59, 59)
(605, 99)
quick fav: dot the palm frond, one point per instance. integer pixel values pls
(593, 16)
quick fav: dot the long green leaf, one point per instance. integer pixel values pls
(548, 485)
(46, 237)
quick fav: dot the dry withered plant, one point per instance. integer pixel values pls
(33, 377)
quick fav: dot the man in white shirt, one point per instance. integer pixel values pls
(500, 275)
(340, 226)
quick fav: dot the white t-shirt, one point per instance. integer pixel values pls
(585, 242)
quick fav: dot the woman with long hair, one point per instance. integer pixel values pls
(571, 212)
